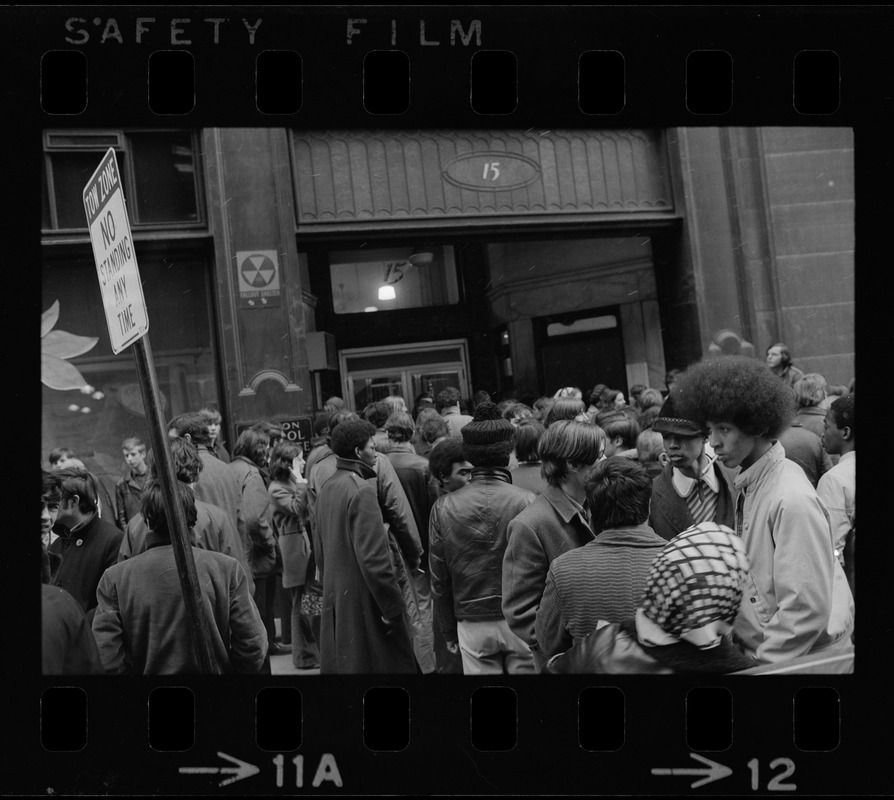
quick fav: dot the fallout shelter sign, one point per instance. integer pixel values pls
(258, 272)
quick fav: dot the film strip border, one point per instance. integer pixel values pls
(471, 736)
(492, 75)
(99, 737)
(460, 65)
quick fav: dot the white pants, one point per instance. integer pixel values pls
(490, 648)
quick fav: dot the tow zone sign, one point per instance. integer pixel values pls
(116, 261)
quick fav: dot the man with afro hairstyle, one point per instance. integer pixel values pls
(797, 600)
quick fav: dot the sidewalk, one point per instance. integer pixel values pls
(282, 665)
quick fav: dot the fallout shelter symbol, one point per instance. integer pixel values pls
(258, 271)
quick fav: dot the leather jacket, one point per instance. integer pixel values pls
(468, 536)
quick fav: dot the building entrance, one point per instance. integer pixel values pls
(582, 351)
(373, 373)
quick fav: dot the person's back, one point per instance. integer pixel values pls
(448, 404)
(218, 485)
(806, 450)
(141, 626)
(363, 628)
(145, 593)
(682, 622)
(468, 536)
(413, 473)
(213, 531)
(603, 580)
(472, 524)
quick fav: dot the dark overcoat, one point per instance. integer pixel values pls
(360, 585)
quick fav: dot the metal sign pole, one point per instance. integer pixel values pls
(186, 565)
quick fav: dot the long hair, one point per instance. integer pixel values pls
(566, 444)
(252, 444)
(284, 454)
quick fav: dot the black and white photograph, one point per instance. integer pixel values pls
(464, 380)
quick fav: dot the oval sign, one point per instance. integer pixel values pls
(494, 171)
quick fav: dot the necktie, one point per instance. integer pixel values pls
(702, 502)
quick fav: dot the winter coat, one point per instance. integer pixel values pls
(790, 374)
(217, 484)
(219, 449)
(141, 627)
(546, 529)
(813, 418)
(455, 420)
(288, 517)
(127, 497)
(83, 564)
(806, 450)
(420, 489)
(67, 644)
(468, 534)
(213, 531)
(668, 512)
(601, 581)
(396, 510)
(796, 598)
(255, 532)
(615, 649)
(363, 628)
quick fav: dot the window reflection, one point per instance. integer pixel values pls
(394, 278)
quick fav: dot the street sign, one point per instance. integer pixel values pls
(295, 429)
(113, 251)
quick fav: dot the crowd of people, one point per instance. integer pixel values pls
(707, 526)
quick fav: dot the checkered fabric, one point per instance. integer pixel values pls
(696, 579)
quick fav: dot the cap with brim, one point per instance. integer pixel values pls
(670, 422)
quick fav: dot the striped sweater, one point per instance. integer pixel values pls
(603, 580)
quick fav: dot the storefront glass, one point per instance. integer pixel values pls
(92, 414)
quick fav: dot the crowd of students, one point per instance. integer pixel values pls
(686, 530)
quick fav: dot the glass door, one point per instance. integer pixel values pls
(372, 373)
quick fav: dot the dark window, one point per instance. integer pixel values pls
(164, 170)
(71, 171)
(158, 171)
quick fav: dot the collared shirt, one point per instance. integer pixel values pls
(684, 485)
(582, 510)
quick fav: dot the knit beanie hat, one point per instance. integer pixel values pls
(670, 421)
(488, 439)
(695, 584)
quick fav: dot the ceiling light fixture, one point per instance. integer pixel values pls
(421, 256)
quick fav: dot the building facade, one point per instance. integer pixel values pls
(282, 266)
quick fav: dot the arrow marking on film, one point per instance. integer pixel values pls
(242, 770)
(714, 771)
